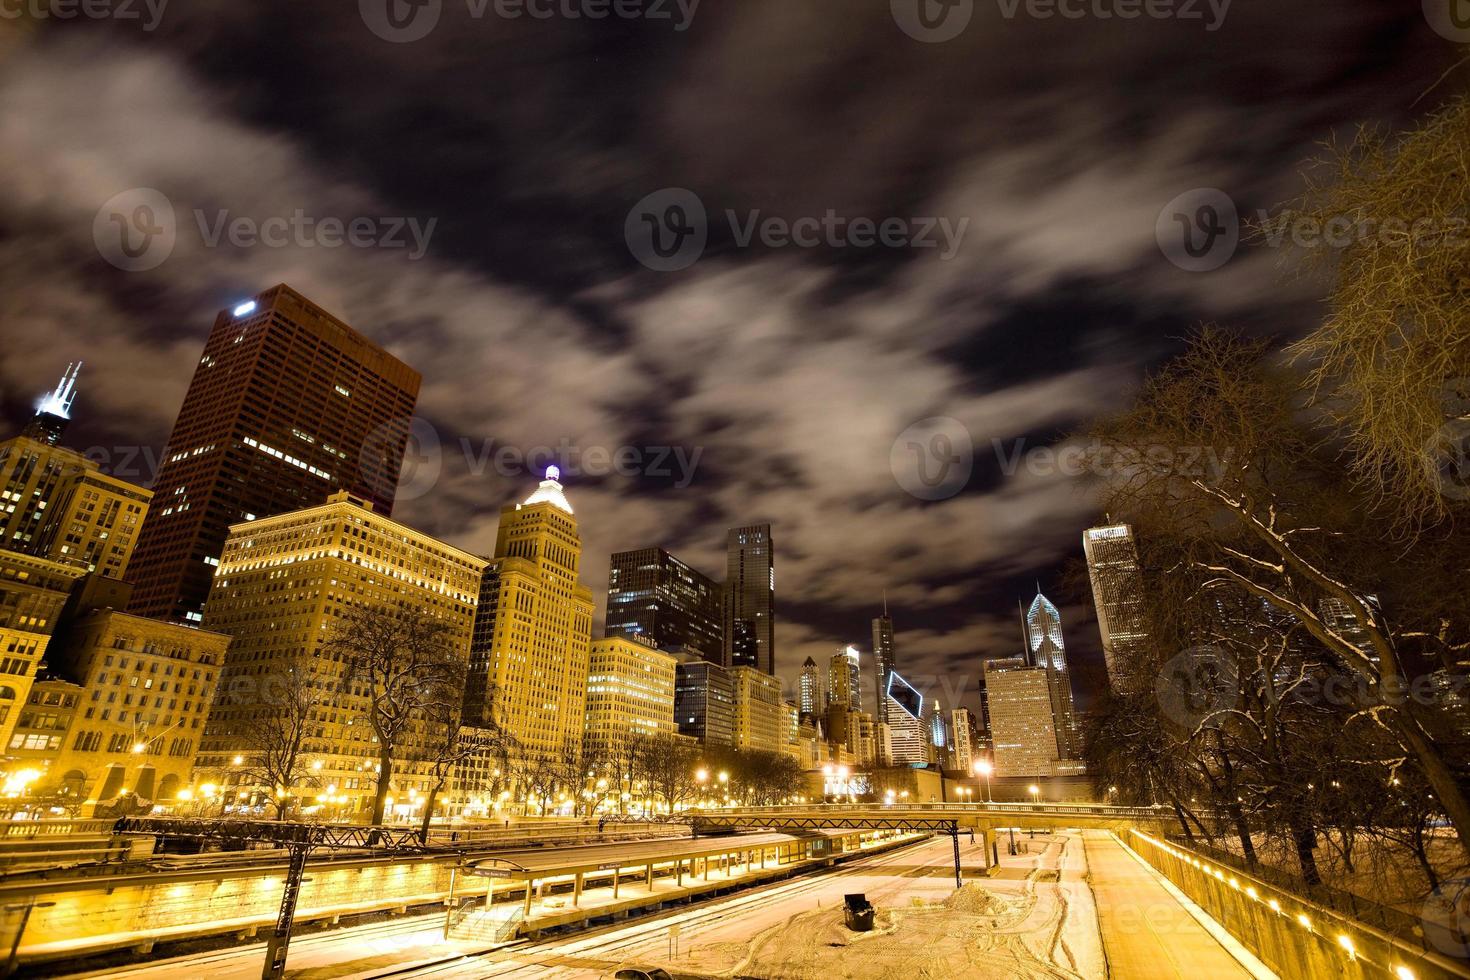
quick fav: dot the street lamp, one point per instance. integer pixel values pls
(1035, 792)
(983, 768)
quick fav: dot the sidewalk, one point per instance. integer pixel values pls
(1146, 932)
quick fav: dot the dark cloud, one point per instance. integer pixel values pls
(791, 371)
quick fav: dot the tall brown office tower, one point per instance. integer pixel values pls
(288, 405)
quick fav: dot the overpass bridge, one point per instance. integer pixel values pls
(984, 819)
(978, 817)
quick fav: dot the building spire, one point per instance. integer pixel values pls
(53, 410)
(885, 603)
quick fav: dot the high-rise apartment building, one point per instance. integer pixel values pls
(287, 406)
(845, 679)
(750, 598)
(533, 634)
(630, 695)
(656, 597)
(56, 503)
(1022, 723)
(284, 583)
(1118, 594)
(759, 711)
(883, 655)
(704, 701)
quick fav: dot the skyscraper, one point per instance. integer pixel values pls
(288, 405)
(965, 747)
(704, 701)
(533, 629)
(53, 411)
(56, 503)
(1022, 722)
(813, 696)
(750, 598)
(883, 654)
(656, 597)
(907, 743)
(1047, 650)
(1118, 593)
(845, 679)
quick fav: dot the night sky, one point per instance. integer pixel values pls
(791, 370)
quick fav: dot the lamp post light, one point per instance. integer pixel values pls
(983, 768)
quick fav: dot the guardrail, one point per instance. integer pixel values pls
(28, 829)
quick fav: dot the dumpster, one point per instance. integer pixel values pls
(859, 912)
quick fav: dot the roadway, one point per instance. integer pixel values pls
(1043, 921)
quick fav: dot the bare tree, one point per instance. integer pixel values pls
(403, 660)
(275, 730)
(1274, 518)
(666, 765)
(1391, 361)
(452, 745)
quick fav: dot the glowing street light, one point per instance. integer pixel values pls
(983, 768)
(1035, 792)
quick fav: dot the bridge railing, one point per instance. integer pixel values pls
(1000, 809)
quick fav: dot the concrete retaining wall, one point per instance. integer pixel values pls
(1296, 939)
